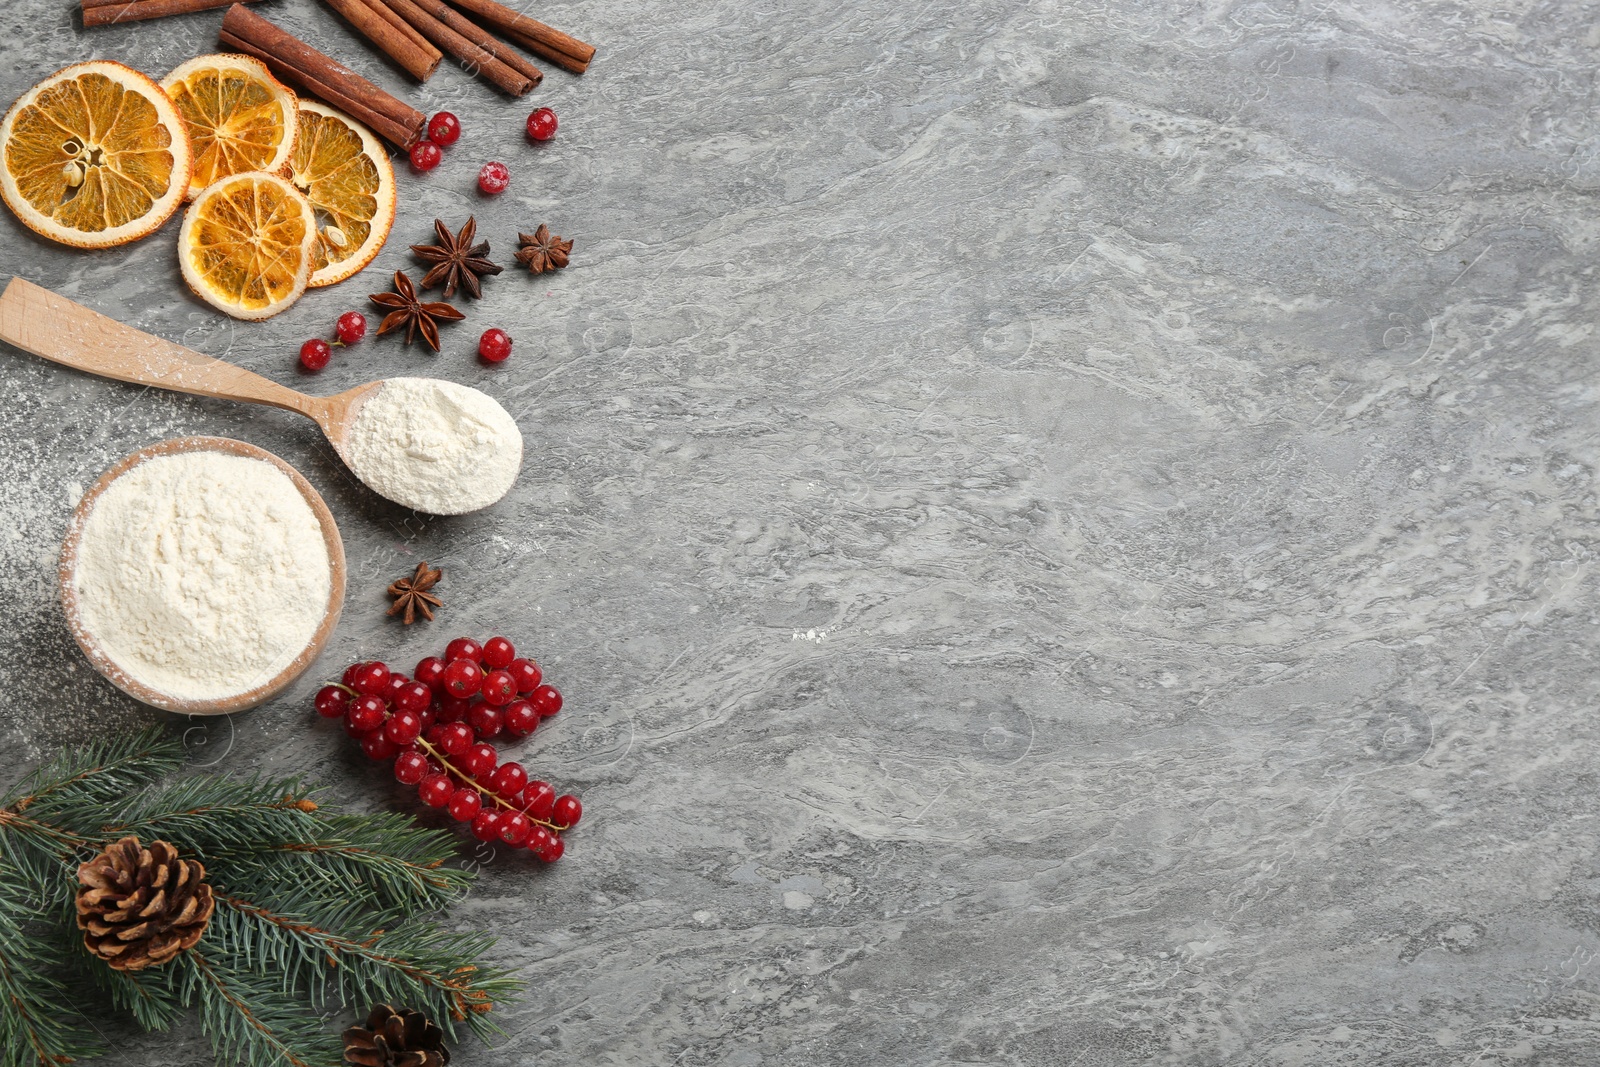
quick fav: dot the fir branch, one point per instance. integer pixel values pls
(207, 813)
(391, 835)
(150, 996)
(416, 964)
(311, 903)
(94, 775)
(248, 1020)
(385, 858)
(39, 1025)
(53, 811)
(269, 832)
(38, 853)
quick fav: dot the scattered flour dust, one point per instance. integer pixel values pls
(202, 574)
(435, 446)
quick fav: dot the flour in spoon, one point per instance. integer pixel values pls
(435, 446)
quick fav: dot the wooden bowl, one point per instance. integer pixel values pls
(139, 691)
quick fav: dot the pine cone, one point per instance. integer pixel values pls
(139, 907)
(403, 1038)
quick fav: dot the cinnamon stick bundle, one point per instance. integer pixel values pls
(392, 35)
(305, 68)
(106, 12)
(469, 43)
(566, 52)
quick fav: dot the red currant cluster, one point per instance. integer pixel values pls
(437, 728)
(444, 130)
(315, 353)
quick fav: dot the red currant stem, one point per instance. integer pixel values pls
(346, 688)
(468, 781)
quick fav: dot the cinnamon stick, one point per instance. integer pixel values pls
(564, 51)
(305, 68)
(106, 12)
(393, 35)
(469, 43)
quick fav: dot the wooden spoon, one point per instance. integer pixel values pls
(54, 328)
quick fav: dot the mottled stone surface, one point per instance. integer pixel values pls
(1067, 529)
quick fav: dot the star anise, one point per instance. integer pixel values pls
(412, 596)
(412, 313)
(542, 250)
(456, 260)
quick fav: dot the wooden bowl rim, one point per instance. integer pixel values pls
(109, 667)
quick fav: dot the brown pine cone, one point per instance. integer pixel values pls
(403, 1038)
(139, 907)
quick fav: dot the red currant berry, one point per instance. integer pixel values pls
(371, 680)
(451, 709)
(515, 828)
(464, 648)
(463, 678)
(351, 327)
(425, 155)
(454, 738)
(527, 674)
(509, 779)
(519, 718)
(444, 129)
(465, 804)
(567, 811)
(315, 353)
(409, 767)
(486, 825)
(436, 790)
(350, 729)
(478, 760)
(494, 346)
(430, 672)
(397, 682)
(412, 696)
(365, 713)
(552, 852)
(498, 653)
(403, 727)
(499, 688)
(539, 839)
(493, 178)
(538, 800)
(485, 720)
(377, 747)
(547, 699)
(427, 715)
(542, 124)
(331, 701)
(350, 673)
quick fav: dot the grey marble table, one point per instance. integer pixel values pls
(1067, 529)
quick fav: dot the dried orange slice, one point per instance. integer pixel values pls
(246, 244)
(345, 172)
(239, 116)
(94, 156)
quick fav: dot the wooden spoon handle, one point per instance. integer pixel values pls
(53, 327)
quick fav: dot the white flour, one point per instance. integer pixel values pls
(435, 446)
(201, 574)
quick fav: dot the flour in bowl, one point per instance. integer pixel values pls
(435, 446)
(202, 575)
